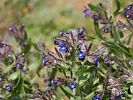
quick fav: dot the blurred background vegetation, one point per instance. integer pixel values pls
(44, 19)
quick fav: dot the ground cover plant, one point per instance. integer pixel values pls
(80, 67)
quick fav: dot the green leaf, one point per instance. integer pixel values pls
(131, 51)
(117, 2)
(25, 36)
(131, 88)
(124, 49)
(54, 71)
(67, 91)
(128, 65)
(34, 65)
(130, 80)
(14, 75)
(97, 30)
(96, 81)
(89, 97)
(119, 47)
(78, 63)
(28, 47)
(99, 9)
(8, 60)
(18, 89)
(102, 69)
(27, 87)
(94, 8)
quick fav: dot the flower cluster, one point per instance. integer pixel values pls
(72, 39)
(80, 67)
(20, 36)
(128, 12)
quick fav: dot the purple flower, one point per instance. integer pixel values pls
(81, 56)
(128, 12)
(44, 60)
(47, 59)
(62, 44)
(81, 32)
(20, 61)
(54, 82)
(59, 42)
(61, 33)
(55, 41)
(72, 85)
(9, 88)
(106, 29)
(12, 29)
(97, 62)
(97, 97)
(19, 66)
(17, 32)
(121, 94)
(3, 44)
(121, 25)
(23, 43)
(95, 16)
(103, 21)
(87, 12)
(63, 49)
(21, 29)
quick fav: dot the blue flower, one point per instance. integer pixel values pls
(24, 43)
(47, 59)
(55, 41)
(63, 49)
(72, 85)
(54, 82)
(61, 44)
(80, 31)
(44, 60)
(121, 94)
(9, 88)
(128, 12)
(19, 66)
(61, 33)
(97, 97)
(106, 29)
(97, 62)
(58, 41)
(81, 56)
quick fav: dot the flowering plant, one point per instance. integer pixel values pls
(81, 66)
